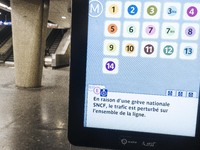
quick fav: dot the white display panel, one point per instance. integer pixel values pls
(145, 53)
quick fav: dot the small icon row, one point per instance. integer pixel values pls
(152, 10)
(152, 30)
(181, 93)
(150, 49)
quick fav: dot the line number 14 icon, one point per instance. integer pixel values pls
(110, 66)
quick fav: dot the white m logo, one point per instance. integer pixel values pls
(95, 8)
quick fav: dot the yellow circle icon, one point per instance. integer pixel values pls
(130, 48)
(113, 9)
(111, 47)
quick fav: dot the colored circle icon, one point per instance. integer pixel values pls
(190, 31)
(130, 48)
(110, 65)
(188, 51)
(111, 47)
(150, 30)
(149, 49)
(96, 90)
(131, 29)
(168, 50)
(192, 11)
(112, 28)
(152, 10)
(132, 9)
(170, 31)
(172, 11)
(113, 9)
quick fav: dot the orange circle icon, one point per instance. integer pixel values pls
(112, 28)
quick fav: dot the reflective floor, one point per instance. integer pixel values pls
(35, 119)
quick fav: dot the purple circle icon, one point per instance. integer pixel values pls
(190, 31)
(110, 65)
(192, 11)
(149, 49)
(96, 90)
(150, 30)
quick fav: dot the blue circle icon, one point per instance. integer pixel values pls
(132, 9)
(172, 11)
(188, 51)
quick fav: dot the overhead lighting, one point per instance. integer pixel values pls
(5, 7)
(52, 25)
(63, 17)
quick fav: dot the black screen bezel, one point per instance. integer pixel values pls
(93, 137)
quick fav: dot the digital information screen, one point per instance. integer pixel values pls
(143, 66)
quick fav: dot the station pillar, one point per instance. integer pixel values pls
(29, 27)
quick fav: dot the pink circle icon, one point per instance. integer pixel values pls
(150, 30)
(96, 90)
(192, 11)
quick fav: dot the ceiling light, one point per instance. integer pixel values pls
(3, 6)
(63, 17)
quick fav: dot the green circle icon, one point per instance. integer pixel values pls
(152, 10)
(170, 30)
(111, 47)
(131, 29)
(168, 50)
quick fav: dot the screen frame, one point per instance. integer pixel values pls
(104, 138)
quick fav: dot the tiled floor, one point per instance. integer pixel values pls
(35, 119)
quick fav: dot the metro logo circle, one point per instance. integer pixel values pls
(95, 8)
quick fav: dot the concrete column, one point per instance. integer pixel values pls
(29, 26)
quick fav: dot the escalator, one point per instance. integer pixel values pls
(10, 58)
(53, 41)
(5, 34)
(5, 43)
